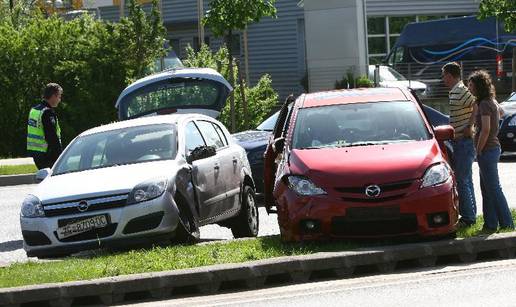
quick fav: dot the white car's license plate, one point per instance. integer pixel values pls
(93, 222)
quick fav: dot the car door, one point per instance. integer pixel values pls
(273, 150)
(229, 176)
(205, 173)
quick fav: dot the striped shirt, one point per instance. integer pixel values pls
(461, 107)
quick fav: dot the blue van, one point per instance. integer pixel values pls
(424, 47)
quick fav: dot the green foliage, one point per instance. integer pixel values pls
(260, 99)
(227, 15)
(92, 60)
(349, 81)
(504, 10)
(17, 169)
(163, 258)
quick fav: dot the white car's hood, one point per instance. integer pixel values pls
(104, 181)
(416, 85)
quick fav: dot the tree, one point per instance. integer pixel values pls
(228, 16)
(504, 10)
(261, 98)
(91, 59)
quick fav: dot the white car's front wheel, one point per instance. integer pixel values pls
(246, 223)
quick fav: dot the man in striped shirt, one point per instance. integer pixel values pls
(461, 119)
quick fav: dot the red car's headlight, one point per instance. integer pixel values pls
(304, 186)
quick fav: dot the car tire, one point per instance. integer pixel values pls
(246, 223)
(187, 230)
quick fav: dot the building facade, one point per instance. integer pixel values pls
(279, 46)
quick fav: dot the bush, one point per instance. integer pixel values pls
(349, 81)
(92, 60)
(260, 98)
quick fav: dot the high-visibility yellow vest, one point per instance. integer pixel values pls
(35, 132)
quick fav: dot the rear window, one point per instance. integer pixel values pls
(172, 94)
(359, 125)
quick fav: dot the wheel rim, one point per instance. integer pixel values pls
(252, 217)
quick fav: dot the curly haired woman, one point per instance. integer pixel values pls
(494, 204)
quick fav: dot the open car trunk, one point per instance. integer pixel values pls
(188, 90)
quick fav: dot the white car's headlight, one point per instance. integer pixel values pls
(436, 175)
(32, 207)
(147, 190)
(512, 122)
(304, 186)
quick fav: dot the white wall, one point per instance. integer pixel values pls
(335, 41)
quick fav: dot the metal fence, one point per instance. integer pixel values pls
(436, 94)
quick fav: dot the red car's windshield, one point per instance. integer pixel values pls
(358, 125)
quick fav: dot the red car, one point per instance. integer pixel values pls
(359, 163)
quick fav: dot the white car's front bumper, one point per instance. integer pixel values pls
(127, 224)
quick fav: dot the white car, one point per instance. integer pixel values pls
(389, 77)
(144, 178)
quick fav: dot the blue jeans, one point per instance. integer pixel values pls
(463, 157)
(494, 204)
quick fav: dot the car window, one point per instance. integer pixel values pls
(221, 134)
(268, 124)
(117, 147)
(166, 94)
(210, 134)
(193, 138)
(511, 100)
(359, 124)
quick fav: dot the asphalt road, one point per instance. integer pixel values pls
(479, 284)
(11, 249)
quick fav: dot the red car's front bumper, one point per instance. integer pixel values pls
(426, 212)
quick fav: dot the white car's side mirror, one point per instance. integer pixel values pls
(42, 174)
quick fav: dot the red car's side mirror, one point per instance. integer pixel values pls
(278, 145)
(444, 133)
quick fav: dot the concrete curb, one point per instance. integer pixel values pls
(8, 180)
(256, 274)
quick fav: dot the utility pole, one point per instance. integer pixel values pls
(200, 26)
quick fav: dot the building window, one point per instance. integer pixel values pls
(396, 24)
(427, 18)
(376, 25)
(377, 45)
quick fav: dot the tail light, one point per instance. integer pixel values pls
(499, 65)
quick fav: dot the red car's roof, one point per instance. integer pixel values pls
(353, 96)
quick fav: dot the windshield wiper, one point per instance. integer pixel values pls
(355, 144)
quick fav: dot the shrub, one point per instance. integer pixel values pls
(92, 60)
(260, 98)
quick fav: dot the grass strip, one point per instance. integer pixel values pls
(18, 169)
(173, 257)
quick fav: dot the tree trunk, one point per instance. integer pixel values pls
(242, 93)
(229, 40)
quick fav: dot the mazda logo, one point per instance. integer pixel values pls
(372, 190)
(83, 206)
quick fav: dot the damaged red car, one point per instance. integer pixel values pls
(359, 163)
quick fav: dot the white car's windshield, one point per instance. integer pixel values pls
(358, 125)
(117, 147)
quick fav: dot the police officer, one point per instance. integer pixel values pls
(43, 131)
